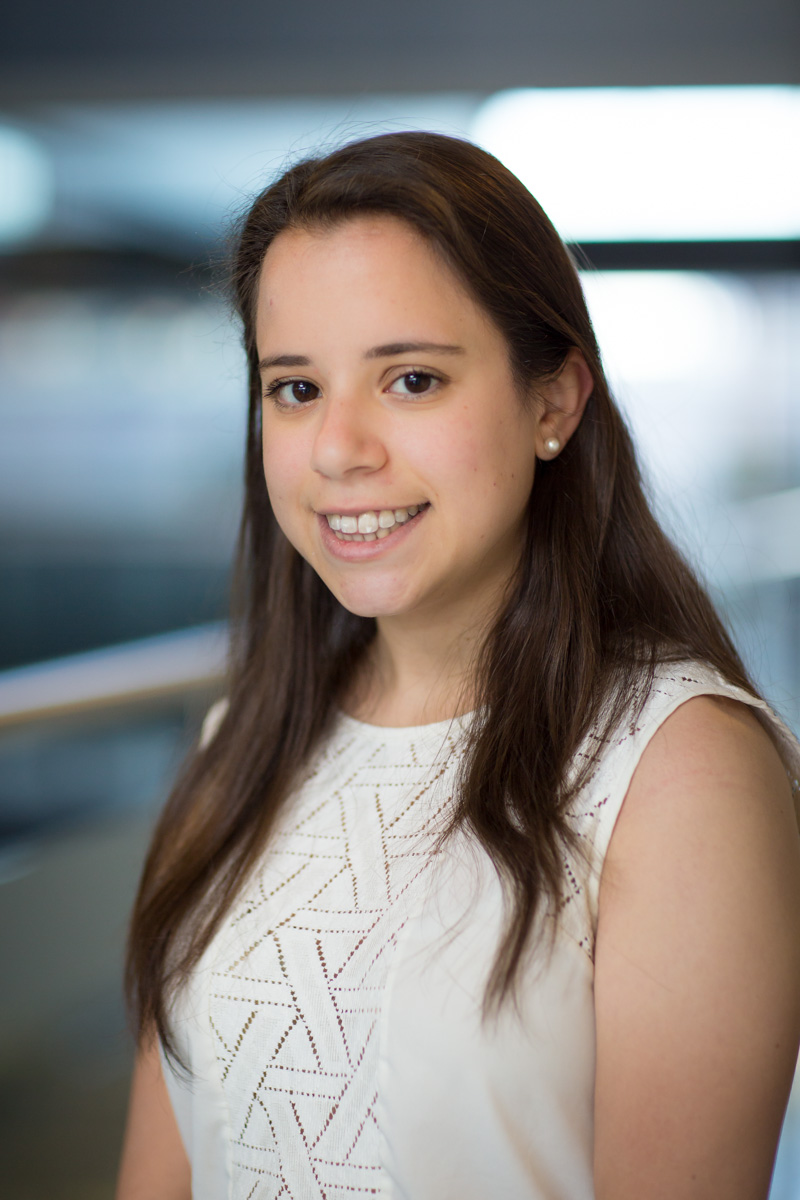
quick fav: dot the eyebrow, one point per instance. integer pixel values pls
(388, 351)
(284, 360)
(393, 348)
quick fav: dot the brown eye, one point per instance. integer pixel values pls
(292, 393)
(302, 390)
(414, 383)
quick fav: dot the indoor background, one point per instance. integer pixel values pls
(663, 140)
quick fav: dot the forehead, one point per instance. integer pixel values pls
(364, 268)
(376, 235)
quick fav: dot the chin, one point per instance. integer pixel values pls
(365, 603)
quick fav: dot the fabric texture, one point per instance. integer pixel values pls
(333, 1028)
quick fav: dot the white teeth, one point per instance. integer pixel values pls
(367, 522)
(371, 525)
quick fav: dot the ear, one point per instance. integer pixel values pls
(562, 401)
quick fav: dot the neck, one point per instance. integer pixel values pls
(420, 668)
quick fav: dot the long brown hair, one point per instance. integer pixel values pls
(599, 598)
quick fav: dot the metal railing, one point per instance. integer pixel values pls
(139, 673)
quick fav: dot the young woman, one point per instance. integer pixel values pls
(398, 934)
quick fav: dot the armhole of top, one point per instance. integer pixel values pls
(180, 1099)
(614, 777)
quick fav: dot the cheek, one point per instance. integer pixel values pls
(481, 461)
(282, 492)
(452, 454)
(497, 471)
(281, 471)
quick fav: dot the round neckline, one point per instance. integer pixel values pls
(399, 732)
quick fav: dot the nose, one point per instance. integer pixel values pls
(348, 438)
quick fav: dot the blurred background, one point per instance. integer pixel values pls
(663, 140)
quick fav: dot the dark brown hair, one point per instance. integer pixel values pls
(599, 598)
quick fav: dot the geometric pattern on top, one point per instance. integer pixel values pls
(300, 966)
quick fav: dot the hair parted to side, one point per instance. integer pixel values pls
(600, 595)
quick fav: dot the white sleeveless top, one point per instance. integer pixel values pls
(333, 1028)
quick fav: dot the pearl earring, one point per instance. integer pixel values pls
(552, 445)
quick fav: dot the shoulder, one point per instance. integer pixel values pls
(710, 750)
(709, 804)
(686, 719)
(698, 958)
(710, 764)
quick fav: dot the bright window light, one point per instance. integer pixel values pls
(669, 327)
(26, 193)
(653, 164)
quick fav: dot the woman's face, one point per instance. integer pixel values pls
(397, 454)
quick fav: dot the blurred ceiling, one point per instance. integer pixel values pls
(91, 50)
(155, 122)
(168, 176)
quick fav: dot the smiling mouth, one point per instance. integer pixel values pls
(372, 525)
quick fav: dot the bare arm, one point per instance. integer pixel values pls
(154, 1164)
(698, 965)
